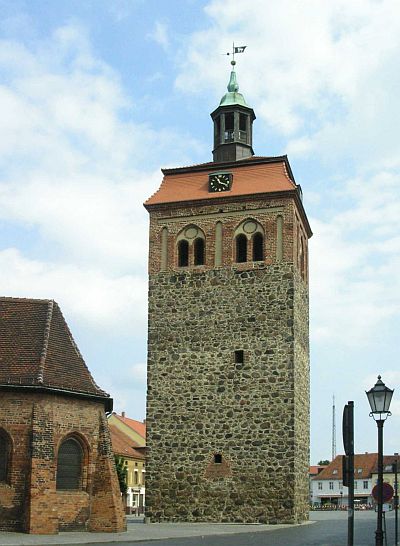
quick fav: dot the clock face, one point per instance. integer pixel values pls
(220, 182)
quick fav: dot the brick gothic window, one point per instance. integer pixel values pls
(183, 253)
(258, 247)
(69, 465)
(199, 251)
(4, 457)
(241, 248)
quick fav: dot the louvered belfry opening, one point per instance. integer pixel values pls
(69, 465)
(3, 458)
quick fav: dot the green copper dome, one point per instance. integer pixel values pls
(233, 97)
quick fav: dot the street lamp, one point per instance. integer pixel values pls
(379, 398)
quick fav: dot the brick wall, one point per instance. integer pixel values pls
(36, 425)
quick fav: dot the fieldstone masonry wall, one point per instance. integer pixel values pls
(202, 403)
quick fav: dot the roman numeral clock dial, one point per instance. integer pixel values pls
(218, 182)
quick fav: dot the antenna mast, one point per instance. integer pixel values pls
(333, 428)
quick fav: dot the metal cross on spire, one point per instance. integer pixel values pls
(236, 49)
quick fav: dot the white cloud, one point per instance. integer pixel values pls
(115, 303)
(75, 170)
(355, 259)
(160, 34)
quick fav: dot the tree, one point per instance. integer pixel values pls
(122, 473)
(323, 463)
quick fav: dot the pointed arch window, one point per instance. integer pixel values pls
(241, 248)
(4, 456)
(69, 465)
(258, 247)
(183, 253)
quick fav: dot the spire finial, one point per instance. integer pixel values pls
(233, 86)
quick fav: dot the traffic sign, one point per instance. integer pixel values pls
(387, 493)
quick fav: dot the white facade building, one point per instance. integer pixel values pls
(327, 487)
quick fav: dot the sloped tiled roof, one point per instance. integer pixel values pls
(365, 462)
(123, 445)
(388, 460)
(255, 175)
(37, 349)
(315, 469)
(138, 426)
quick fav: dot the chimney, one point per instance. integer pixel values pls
(122, 414)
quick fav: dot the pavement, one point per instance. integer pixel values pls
(138, 531)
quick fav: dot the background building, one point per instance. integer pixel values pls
(134, 456)
(388, 472)
(57, 467)
(314, 471)
(328, 489)
(228, 343)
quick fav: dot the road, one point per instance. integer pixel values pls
(329, 529)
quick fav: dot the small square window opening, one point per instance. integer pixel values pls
(239, 357)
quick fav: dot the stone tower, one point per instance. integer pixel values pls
(228, 345)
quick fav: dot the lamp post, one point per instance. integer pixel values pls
(379, 398)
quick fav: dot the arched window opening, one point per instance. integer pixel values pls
(4, 457)
(69, 465)
(183, 253)
(241, 248)
(258, 247)
(199, 251)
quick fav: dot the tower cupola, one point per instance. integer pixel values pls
(233, 124)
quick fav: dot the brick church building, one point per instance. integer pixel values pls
(57, 467)
(228, 344)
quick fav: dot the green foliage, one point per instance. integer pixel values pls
(122, 473)
(324, 462)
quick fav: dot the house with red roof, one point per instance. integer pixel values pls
(128, 441)
(327, 487)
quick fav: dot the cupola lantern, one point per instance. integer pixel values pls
(233, 124)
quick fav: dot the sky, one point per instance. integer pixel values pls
(97, 96)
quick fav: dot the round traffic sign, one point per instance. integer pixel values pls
(387, 494)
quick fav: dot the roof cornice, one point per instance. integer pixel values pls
(106, 400)
(212, 165)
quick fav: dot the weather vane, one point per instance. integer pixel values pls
(235, 49)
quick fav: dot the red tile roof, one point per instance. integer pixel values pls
(315, 469)
(388, 460)
(251, 176)
(366, 462)
(37, 349)
(137, 426)
(123, 445)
